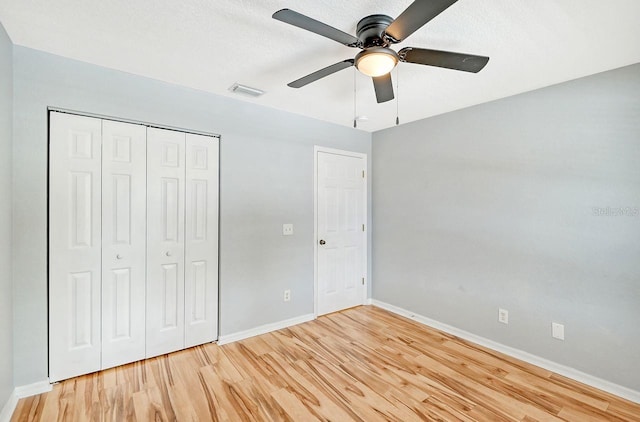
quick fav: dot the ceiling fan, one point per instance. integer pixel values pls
(376, 33)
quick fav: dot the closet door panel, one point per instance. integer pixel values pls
(74, 245)
(124, 187)
(201, 240)
(165, 241)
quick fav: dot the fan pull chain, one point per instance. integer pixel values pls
(397, 95)
(355, 120)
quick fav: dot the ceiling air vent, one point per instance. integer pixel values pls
(246, 90)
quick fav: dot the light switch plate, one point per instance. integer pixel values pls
(287, 229)
(557, 330)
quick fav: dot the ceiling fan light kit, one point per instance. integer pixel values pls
(376, 33)
(376, 61)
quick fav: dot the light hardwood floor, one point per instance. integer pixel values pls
(362, 364)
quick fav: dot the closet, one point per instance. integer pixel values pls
(133, 242)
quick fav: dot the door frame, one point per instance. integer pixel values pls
(320, 149)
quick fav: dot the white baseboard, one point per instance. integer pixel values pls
(19, 393)
(263, 329)
(9, 407)
(29, 390)
(563, 370)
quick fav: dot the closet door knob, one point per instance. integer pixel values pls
(168, 253)
(118, 256)
(322, 242)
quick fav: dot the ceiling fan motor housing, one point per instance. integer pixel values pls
(370, 30)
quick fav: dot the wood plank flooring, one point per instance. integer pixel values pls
(362, 364)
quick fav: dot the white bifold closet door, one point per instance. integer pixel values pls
(133, 243)
(182, 240)
(201, 240)
(124, 162)
(165, 241)
(97, 246)
(74, 245)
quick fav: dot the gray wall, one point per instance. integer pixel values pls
(492, 206)
(266, 180)
(6, 309)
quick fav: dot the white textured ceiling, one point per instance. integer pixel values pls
(210, 44)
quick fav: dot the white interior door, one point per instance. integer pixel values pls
(74, 245)
(341, 216)
(124, 158)
(165, 241)
(201, 240)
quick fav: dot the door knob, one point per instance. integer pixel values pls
(118, 256)
(168, 253)
(322, 242)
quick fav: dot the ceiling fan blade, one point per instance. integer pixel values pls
(415, 16)
(299, 83)
(384, 88)
(446, 59)
(301, 21)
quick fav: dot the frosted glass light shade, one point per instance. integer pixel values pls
(376, 61)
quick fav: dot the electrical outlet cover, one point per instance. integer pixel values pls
(503, 316)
